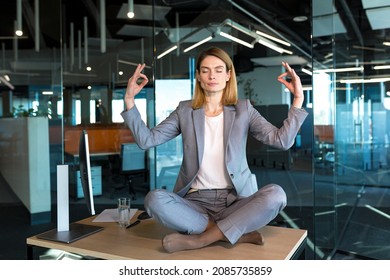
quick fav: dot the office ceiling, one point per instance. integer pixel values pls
(361, 28)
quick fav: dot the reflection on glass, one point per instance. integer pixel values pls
(351, 148)
(92, 111)
(60, 109)
(77, 112)
(168, 94)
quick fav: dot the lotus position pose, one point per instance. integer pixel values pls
(215, 197)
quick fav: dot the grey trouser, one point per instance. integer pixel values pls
(233, 215)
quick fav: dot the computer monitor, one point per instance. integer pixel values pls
(65, 232)
(85, 171)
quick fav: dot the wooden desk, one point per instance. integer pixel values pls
(143, 242)
(102, 138)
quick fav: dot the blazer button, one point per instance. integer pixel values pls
(232, 176)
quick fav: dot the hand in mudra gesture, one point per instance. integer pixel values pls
(135, 85)
(294, 85)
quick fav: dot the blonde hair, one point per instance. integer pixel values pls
(230, 95)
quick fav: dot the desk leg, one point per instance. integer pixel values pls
(30, 252)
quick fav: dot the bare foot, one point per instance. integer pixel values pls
(253, 237)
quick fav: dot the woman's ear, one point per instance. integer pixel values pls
(197, 76)
(228, 75)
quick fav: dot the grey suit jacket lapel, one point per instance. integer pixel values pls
(228, 119)
(199, 119)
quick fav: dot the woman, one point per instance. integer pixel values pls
(215, 197)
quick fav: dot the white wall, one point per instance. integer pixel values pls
(25, 160)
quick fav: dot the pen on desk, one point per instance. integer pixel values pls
(133, 224)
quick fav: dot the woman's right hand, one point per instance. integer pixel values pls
(134, 87)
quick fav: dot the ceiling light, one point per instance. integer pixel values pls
(131, 63)
(365, 81)
(381, 67)
(368, 48)
(376, 210)
(47, 92)
(308, 72)
(235, 39)
(273, 38)
(130, 13)
(167, 51)
(256, 35)
(239, 27)
(328, 55)
(386, 43)
(198, 43)
(300, 18)
(326, 61)
(348, 69)
(274, 47)
(8, 84)
(18, 30)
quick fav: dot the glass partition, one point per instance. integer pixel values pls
(69, 71)
(257, 68)
(168, 94)
(31, 107)
(350, 130)
(77, 76)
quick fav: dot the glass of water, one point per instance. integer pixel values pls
(123, 211)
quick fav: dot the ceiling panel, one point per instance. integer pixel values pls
(328, 25)
(323, 7)
(137, 30)
(367, 4)
(277, 60)
(144, 12)
(379, 18)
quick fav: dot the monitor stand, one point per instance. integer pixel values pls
(76, 231)
(65, 232)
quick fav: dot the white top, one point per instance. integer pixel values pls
(212, 172)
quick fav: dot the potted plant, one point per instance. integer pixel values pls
(249, 91)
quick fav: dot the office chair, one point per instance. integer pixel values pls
(132, 165)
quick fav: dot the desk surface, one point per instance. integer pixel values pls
(75, 154)
(143, 242)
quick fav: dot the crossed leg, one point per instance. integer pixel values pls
(186, 215)
(177, 242)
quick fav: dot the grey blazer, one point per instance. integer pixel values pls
(238, 121)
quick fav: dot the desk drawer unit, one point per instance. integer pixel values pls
(96, 178)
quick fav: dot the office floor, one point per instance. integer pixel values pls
(15, 221)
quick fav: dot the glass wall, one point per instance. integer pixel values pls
(71, 67)
(73, 63)
(257, 66)
(31, 94)
(351, 129)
